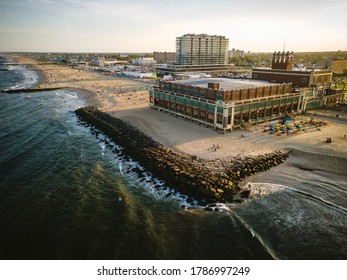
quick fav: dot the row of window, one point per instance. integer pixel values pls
(185, 91)
(263, 104)
(185, 101)
(211, 108)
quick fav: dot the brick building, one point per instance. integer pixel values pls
(282, 72)
(225, 103)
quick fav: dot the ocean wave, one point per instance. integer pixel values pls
(317, 199)
(140, 179)
(30, 77)
(254, 234)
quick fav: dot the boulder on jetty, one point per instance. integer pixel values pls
(205, 181)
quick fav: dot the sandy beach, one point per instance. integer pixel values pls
(128, 100)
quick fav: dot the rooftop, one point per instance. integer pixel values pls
(295, 69)
(226, 84)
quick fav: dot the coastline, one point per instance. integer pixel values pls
(127, 100)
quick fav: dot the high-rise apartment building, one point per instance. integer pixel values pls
(201, 49)
(198, 53)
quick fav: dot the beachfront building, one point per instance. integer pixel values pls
(282, 71)
(224, 104)
(196, 53)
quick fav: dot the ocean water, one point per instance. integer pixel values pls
(68, 192)
(15, 76)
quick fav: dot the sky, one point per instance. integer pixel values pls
(153, 25)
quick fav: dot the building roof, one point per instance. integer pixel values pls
(226, 84)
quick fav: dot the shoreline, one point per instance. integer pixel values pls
(128, 100)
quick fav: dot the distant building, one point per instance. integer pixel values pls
(198, 53)
(102, 62)
(99, 61)
(236, 53)
(138, 74)
(337, 66)
(282, 72)
(144, 61)
(164, 57)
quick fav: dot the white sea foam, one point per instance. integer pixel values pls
(30, 77)
(263, 189)
(141, 179)
(121, 168)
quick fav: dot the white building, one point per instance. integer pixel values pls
(143, 61)
(201, 49)
(99, 61)
(102, 62)
(236, 53)
(139, 74)
(198, 53)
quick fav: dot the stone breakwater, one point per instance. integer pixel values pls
(30, 89)
(205, 181)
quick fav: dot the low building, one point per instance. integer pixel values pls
(338, 66)
(100, 62)
(174, 69)
(144, 61)
(223, 103)
(282, 72)
(298, 78)
(139, 74)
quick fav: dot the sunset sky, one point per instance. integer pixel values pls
(153, 25)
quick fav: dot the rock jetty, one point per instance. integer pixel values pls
(30, 89)
(205, 181)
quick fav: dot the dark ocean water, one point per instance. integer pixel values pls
(67, 192)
